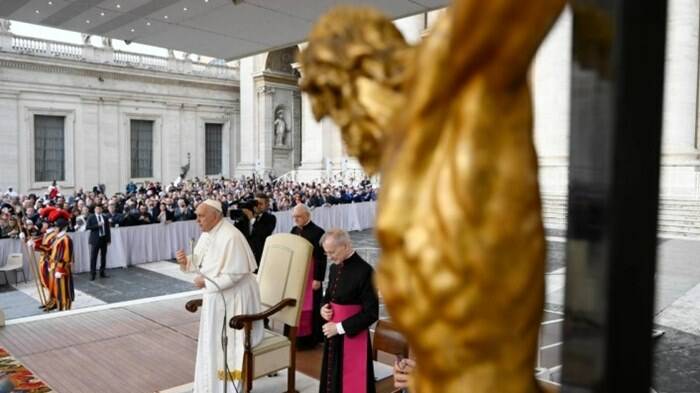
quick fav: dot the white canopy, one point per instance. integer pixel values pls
(227, 29)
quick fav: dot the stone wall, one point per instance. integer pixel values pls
(98, 101)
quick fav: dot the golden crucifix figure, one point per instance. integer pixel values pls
(448, 123)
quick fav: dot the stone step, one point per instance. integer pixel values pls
(679, 235)
(554, 212)
(679, 214)
(677, 218)
(554, 216)
(676, 227)
(690, 221)
(665, 204)
(555, 208)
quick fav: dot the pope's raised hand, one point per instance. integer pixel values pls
(181, 258)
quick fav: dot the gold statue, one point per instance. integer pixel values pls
(449, 125)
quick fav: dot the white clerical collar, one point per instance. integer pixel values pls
(212, 231)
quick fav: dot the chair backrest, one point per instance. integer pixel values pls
(283, 271)
(388, 339)
(14, 261)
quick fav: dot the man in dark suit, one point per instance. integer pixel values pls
(100, 237)
(113, 216)
(309, 333)
(153, 210)
(242, 216)
(262, 226)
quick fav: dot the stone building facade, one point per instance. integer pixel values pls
(98, 95)
(265, 126)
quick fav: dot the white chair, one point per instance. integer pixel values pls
(282, 277)
(14, 262)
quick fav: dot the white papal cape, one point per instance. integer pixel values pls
(223, 255)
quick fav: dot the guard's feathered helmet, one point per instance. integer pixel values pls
(59, 218)
(45, 212)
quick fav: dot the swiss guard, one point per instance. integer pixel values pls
(43, 245)
(61, 259)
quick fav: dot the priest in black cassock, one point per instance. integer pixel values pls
(350, 306)
(309, 334)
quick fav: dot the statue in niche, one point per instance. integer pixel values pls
(4, 26)
(185, 168)
(106, 42)
(86, 38)
(281, 128)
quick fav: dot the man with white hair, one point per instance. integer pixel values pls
(224, 265)
(309, 334)
(350, 307)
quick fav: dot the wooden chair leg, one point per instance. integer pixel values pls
(247, 382)
(292, 369)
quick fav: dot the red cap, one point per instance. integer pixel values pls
(58, 213)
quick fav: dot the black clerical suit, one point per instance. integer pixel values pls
(313, 234)
(262, 227)
(100, 237)
(350, 283)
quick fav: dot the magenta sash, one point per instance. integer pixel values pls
(354, 351)
(307, 309)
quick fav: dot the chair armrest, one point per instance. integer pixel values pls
(239, 321)
(193, 305)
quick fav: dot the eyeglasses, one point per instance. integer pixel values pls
(334, 252)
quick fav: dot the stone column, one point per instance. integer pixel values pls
(296, 138)
(246, 160)
(193, 136)
(108, 120)
(9, 142)
(263, 125)
(88, 144)
(234, 146)
(312, 163)
(681, 81)
(176, 144)
(679, 149)
(550, 78)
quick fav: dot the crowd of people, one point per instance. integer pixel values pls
(153, 202)
(348, 308)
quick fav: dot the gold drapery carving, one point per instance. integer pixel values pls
(448, 123)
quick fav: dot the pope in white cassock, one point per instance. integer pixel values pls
(223, 256)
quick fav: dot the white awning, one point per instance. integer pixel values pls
(227, 29)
